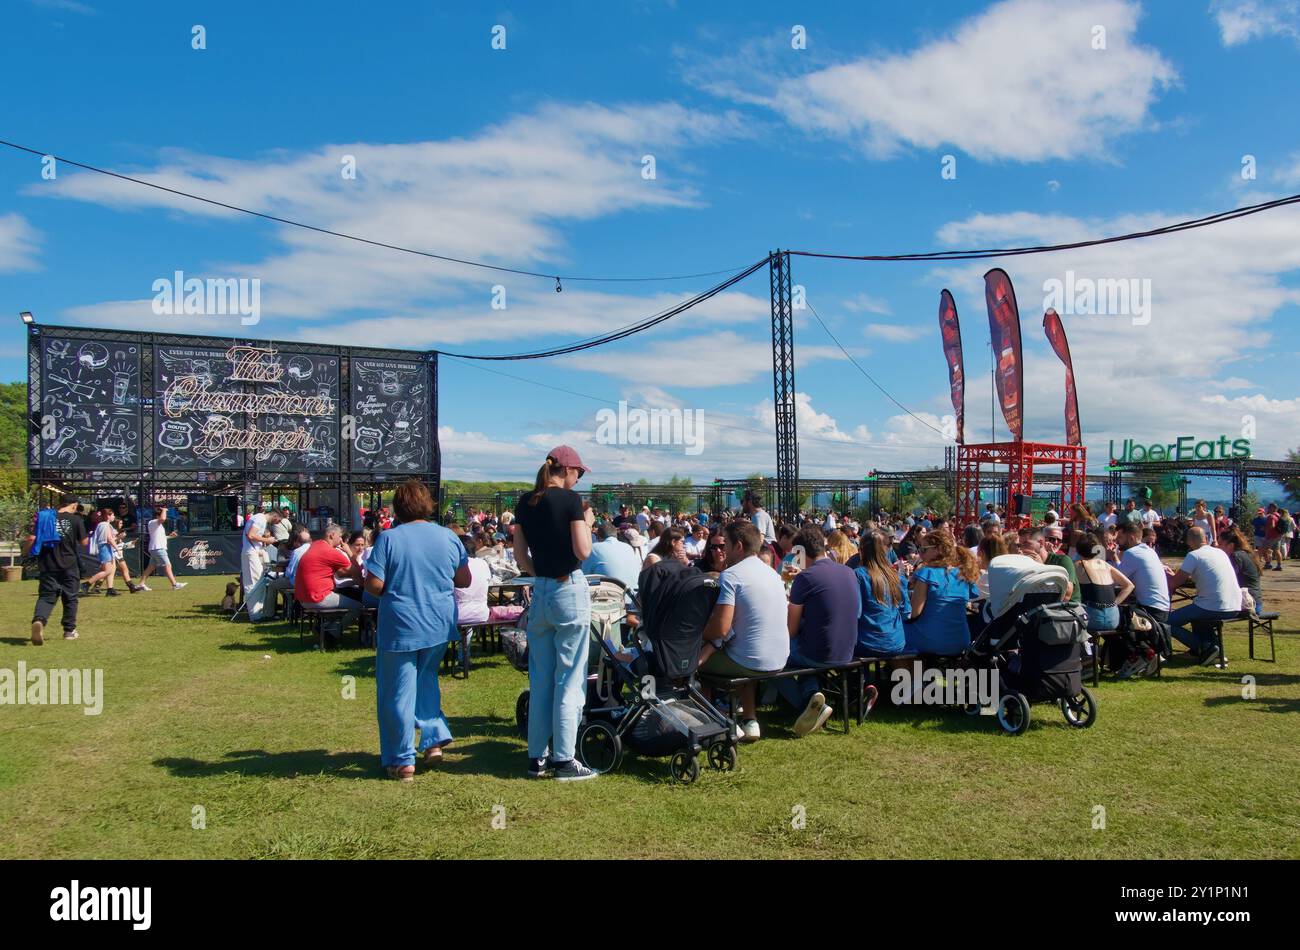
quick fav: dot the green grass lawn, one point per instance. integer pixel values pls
(242, 721)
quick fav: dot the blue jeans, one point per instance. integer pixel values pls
(1188, 637)
(797, 690)
(1102, 619)
(409, 697)
(559, 632)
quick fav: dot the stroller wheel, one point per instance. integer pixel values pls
(1013, 713)
(599, 747)
(685, 767)
(722, 756)
(1080, 711)
(521, 714)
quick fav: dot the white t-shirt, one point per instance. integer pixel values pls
(254, 525)
(829, 524)
(1142, 566)
(643, 522)
(1150, 518)
(759, 638)
(102, 536)
(157, 535)
(471, 601)
(763, 522)
(1109, 519)
(1216, 581)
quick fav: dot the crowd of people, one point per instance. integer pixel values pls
(816, 592)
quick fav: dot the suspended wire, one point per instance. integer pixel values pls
(630, 329)
(361, 240)
(887, 393)
(720, 425)
(1189, 225)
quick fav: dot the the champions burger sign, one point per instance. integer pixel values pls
(193, 394)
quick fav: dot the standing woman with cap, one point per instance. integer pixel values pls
(552, 538)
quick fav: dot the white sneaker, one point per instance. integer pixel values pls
(750, 728)
(814, 715)
(178, 585)
(143, 587)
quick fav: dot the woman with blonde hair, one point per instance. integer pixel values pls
(940, 590)
(839, 547)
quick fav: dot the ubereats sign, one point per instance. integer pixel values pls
(1187, 448)
(231, 419)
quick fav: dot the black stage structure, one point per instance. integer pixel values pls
(117, 413)
(1239, 470)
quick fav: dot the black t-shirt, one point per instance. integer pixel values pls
(546, 526)
(63, 556)
(1247, 572)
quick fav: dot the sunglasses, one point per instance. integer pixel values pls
(717, 547)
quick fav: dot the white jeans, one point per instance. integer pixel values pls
(251, 564)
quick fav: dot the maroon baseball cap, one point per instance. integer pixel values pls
(567, 456)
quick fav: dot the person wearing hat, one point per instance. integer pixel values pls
(552, 539)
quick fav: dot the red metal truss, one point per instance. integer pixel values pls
(1021, 459)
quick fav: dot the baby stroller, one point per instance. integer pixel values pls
(648, 701)
(640, 691)
(1035, 643)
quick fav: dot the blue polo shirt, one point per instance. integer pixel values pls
(417, 563)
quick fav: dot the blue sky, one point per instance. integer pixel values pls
(532, 157)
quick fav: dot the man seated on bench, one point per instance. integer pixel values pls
(1218, 597)
(747, 634)
(823, 623)
(323, 563)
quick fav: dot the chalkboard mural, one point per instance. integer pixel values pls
(175, 435)
(310, 376)
(90, 405)
(277, 411)
(390, 406)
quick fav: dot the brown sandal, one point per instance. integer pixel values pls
(403, 773)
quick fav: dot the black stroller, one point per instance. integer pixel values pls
(641, 694)
(1035, 642)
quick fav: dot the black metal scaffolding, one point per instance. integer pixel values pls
(783, 391)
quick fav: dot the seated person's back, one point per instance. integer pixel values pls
(828, 626)
(940, 590)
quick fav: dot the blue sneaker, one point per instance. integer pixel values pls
(539, 768)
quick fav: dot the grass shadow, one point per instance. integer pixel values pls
(17, 641)
(1260, 704)
(258, 763)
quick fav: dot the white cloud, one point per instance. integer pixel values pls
(895, 333)
(502, 196)
(1241, 21)
(865, 303)
(18, 241)
(1214, 294)
(1020, 81)
(723, 358)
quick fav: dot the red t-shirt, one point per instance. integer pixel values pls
(315, 578)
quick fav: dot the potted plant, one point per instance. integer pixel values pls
(16, 514)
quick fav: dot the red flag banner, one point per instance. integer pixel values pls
(951, 332)
(1056, 336)
(1004, 331)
